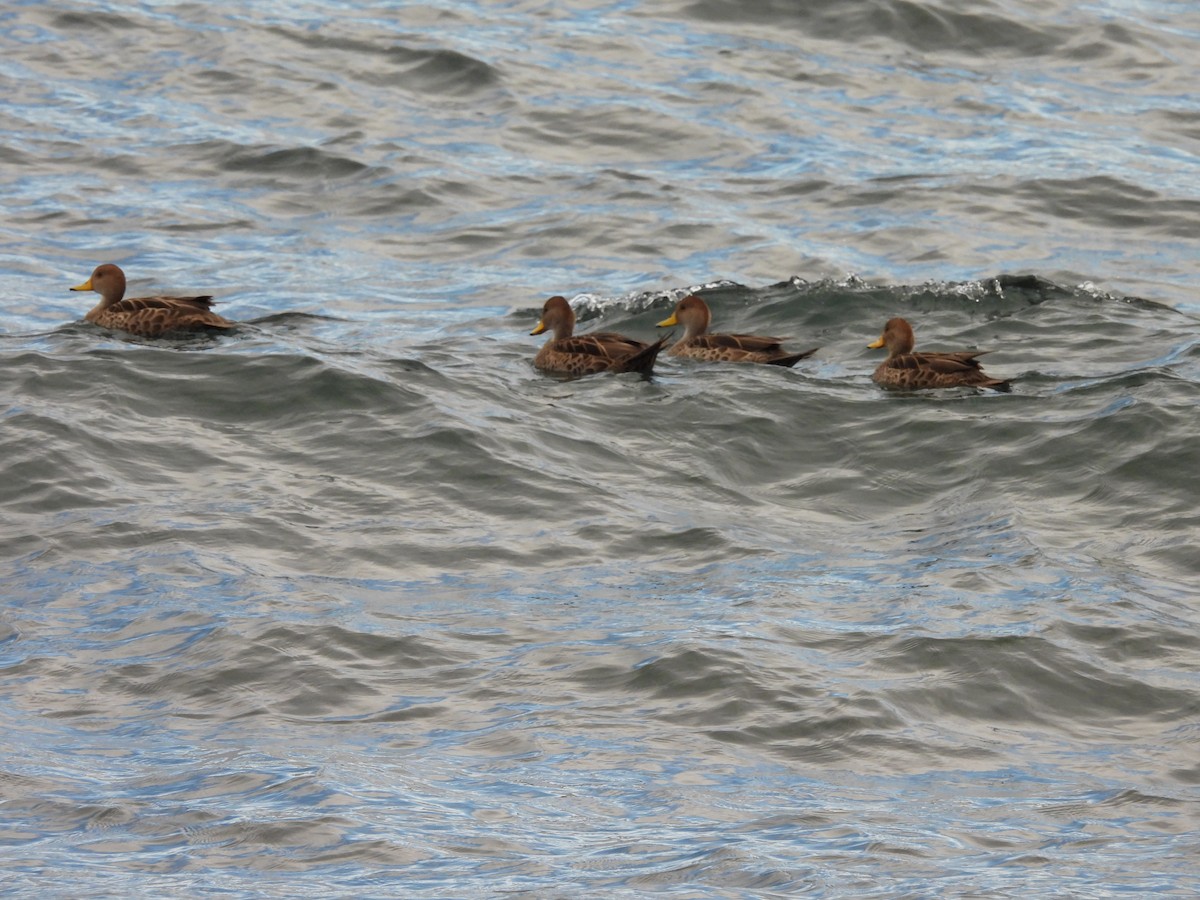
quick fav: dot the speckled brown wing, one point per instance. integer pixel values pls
(915, 371)
(155, 316)
(175, 304)
(587, 354)
(739, 348)
(616, 345)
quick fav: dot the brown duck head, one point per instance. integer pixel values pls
(108, 281)
(897, 337)
(692, 313)
(557, 317)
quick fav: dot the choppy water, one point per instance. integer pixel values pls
(355, 603)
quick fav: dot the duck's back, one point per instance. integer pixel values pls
(154, 316)
(738, 348)
(915, 371)
(604, 351)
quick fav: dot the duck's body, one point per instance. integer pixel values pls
(697, 343)
(574, 355)
(147, 316)
(912, 371)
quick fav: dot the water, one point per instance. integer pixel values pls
(356, 603)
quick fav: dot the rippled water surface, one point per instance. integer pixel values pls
(354, 602)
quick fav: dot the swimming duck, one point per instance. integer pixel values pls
(146, 316)
(913, 371)
(585, 354)
(697, 343)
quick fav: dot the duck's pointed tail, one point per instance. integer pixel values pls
(793, 358)
(642, 361)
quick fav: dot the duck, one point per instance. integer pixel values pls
(697, 343)
(915, 371)
(147, 316)
(601, 351)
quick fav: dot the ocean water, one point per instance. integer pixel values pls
(354, 602)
